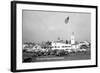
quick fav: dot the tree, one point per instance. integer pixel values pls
(66, 41)
(48, 44)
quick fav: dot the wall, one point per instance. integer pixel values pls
(5, 36)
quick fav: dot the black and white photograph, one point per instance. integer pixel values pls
(48, 36)
(55, 36)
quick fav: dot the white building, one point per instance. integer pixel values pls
(64, 46)
(59, 46)
(84, 43)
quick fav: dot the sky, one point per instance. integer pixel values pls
(38, 26)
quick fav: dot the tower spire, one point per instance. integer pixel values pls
(72, 38)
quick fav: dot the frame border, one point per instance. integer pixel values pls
(13, 35)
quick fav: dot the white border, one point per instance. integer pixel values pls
(37, 65)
